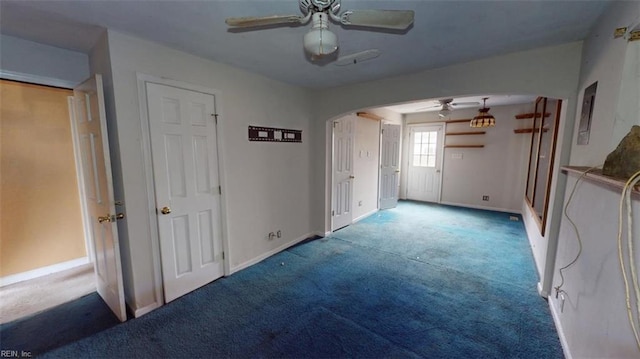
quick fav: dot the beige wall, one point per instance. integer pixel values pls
(40, 218)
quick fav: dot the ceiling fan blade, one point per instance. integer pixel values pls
(427, 107)
(252, 21)
(386, 19)
(465, 103)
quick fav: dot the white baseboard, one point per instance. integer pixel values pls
(541, 292)
(146, 309)
(561, 335)
(364, 216)
(42, 271)
(268, 254)
(498, 209)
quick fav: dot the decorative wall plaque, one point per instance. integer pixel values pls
(270, 134)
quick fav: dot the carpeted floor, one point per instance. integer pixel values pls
(36, 295)
(420, 280)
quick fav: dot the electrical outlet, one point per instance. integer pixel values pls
(359, 203)
(279, 233)
(485, 198)
(271, 236)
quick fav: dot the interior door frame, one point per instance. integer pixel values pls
(69, 85)
(147, 169)
(407, 148)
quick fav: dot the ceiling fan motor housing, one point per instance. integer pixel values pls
(319, 6)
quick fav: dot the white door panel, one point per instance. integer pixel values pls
(425, 163)
(90, 130)
(185, 162)
(343, 139)
(389, 166)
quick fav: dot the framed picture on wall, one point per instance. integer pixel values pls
(587, 112)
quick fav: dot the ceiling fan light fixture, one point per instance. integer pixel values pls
(444, 112)
(320, 41)
(484, 118)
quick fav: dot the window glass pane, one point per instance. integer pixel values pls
(425, 150)
(432, 149)
(417, 149)
(424, 161)
(431, 161)
(417, 137)
(433, 137)
(416, 160)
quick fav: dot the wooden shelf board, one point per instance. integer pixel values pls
(463, 146)
(528, 130)
(465, 133)
(530, 115)
(459, 121)
(369, 116)
(597, 177)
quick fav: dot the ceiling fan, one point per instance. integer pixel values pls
(320, 41)
(447, 105)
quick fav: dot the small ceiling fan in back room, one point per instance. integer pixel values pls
(320, 41)
(447, 105)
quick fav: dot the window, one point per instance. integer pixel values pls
(424, 148)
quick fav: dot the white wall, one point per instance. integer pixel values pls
(594, 322)
(365, 167)
(498, 170)
(551, 71)
(602, 61)
(265, 185)
(63, 68)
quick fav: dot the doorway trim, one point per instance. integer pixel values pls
(142, 80)
(406, 150)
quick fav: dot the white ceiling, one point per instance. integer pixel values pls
(444, 32)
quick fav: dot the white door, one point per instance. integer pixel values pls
(389, 166)
(425, 163)
(343, 138)
(187, 188)
(90, 132)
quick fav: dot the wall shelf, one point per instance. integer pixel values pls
(465, 133)
(528, 130)
(597, 177)
(530, 115)
(369, 116)
(463, 146)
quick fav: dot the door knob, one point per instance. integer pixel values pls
(352, 177)
(165, 210)
(397, 171)
(120, 216)
(106, 218)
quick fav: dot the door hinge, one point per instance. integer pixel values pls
(383, 131)
(335, 123)
(333, 213)
(220, 190)
(222, 255)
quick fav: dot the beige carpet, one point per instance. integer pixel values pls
(33, 296)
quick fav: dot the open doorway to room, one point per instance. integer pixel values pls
(365, 160)
(481, 167)
(45, 259)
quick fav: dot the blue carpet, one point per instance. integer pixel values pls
(420, 280)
